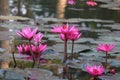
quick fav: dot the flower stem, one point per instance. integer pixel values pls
(65, 51)
(15, 63)
(39, 61)
(72, 55)
(33, 64)
(13, 56)
(106, 60)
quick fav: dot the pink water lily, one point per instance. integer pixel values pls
(95, 70)
(64, 29)
(27, 33)
(62, 37)
(74, 36)
(25, 49)
(70, 36)
(38, 49)
(63, 32)
(91, 3)
(105, 47)
(37, 38)
(71, 2)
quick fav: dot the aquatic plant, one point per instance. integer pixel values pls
(105, 48)
(64, 31)
(95, 70)
(91, 3)
(71, 2)
(37, 38)
(35, 46)
(88, 2)
(27, 33)
(73, 37)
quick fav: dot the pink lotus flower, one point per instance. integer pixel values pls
(71, 2)
(91, 3)
(37, 38)
(64, 29)
(74, 37)
(70, 36)
(105, 47)
(62, 37)
(38, 49)
(27, 33)
(95, 70)
(25, 49)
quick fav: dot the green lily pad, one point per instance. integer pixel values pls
(39, 74)
(115, 63)
(115, 76)
(11, 75)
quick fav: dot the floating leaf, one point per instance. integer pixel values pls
(49, 51)
(115, 76)
(39, 74)
(92, 58)
(115, 63)
(11, 75)
(87, 63)
(19, 71)
(52, 56)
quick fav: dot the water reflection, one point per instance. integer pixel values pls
(4, 7)
(61, 5)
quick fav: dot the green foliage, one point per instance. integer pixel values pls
(21, 64)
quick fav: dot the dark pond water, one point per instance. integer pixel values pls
(98, 25)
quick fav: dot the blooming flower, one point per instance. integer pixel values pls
(27, 33)
(91, 3)
(105, 47)
(75, 36)
(95, 70)
(70, 36)
(38, 49)
(71, 2)
(64, 29)
(25, 49)
(62, 37)
(37, 38)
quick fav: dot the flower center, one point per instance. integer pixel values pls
(64, 27)
(95, 70)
